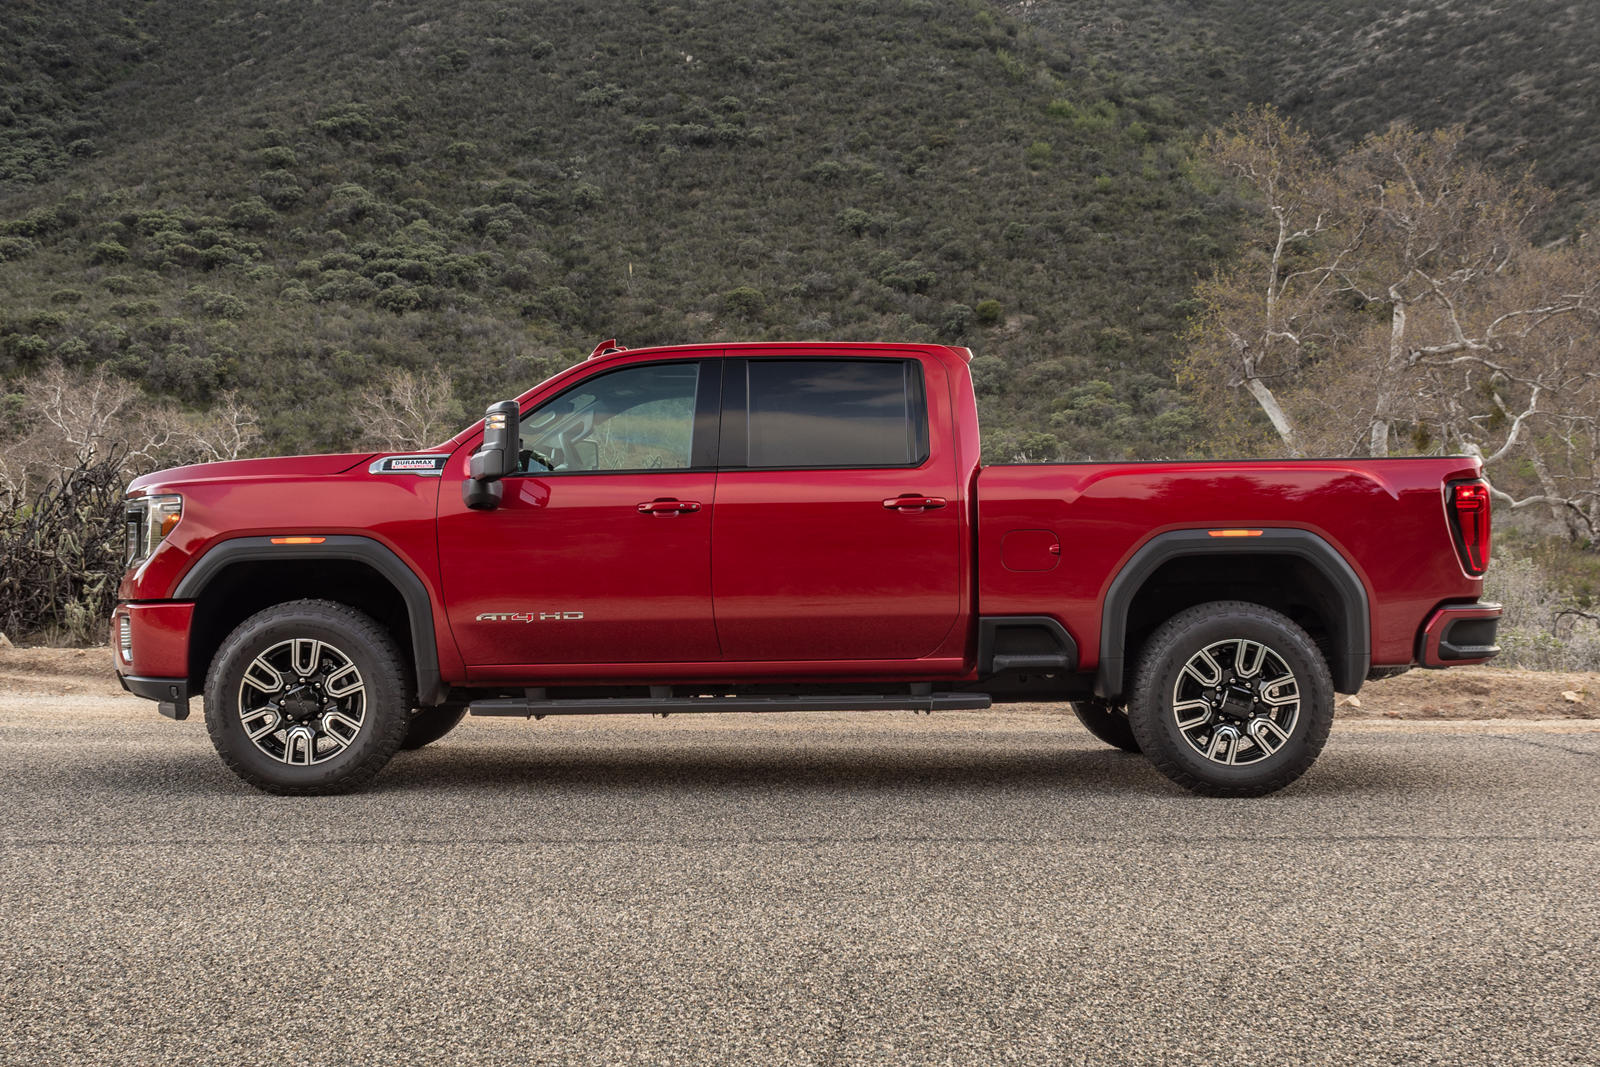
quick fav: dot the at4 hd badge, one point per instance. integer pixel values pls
(530, 616)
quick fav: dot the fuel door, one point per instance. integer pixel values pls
(1030, 550)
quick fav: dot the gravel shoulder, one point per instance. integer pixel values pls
(81, 681)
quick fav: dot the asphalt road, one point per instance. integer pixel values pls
(805, 889)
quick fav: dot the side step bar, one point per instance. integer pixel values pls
(537, 708)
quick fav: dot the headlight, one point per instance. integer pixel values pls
(147, 523)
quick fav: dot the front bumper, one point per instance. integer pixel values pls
(152, 656)
(1456, 635)
(170, 694)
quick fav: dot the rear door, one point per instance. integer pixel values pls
(600, 552)
(837, 527)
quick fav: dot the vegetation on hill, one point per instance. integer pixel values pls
(297, 200)
(1522, 78)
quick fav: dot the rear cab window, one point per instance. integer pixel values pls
(825, 413)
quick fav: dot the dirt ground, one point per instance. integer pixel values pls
(1463, 693)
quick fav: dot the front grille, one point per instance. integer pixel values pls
(133, 526)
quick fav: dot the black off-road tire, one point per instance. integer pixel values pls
(368, 647)
(1107, 723)
(1163, 660)
(427, 725)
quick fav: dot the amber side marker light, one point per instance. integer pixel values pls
(298, 540)
(1233, 533)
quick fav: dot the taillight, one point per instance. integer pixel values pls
(1469, 514)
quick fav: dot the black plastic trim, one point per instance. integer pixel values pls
(419, 609)
(707, 416)
(1479, 649)
(929, 702)
(990, 662)
(734, 440)
(1352, 654)
(170, 694)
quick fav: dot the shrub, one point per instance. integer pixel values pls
(1543, 628)
(908, 276)
(277, 156)
(988, 312)
(746, 301)
(252, 213)
(108, 252)
(15, 248)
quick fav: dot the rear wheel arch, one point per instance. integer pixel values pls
(1295, 572)
(241, 576)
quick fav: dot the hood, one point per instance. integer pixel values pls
(242, 470)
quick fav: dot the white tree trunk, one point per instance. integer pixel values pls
(1275, 414)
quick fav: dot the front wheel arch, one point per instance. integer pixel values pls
(242, 575)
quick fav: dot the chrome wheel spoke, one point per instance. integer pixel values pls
(1267, 735)
(1192, 713)
(343, 682)
(263, 676)
(340, 727)
(1221, 745)
(1248, 657)
(299, 747)
(304, 652)
(1281, 692)
(259, 722)
(1203, 659)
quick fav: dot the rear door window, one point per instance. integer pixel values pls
(836, 413)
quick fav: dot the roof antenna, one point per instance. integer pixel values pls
(607, 346)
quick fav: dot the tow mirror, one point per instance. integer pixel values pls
(494, 459)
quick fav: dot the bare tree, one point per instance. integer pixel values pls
(228, 431)
(1393, 300)
(412, 409)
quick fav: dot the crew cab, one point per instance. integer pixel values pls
(768, 527)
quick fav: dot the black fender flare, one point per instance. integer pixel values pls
(1352, 634)
(419, 609)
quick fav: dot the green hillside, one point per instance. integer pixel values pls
(292, 199)
(1524, 78)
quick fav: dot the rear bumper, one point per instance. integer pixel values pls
(1456, 635)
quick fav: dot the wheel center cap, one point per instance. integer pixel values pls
(1237, 702)
(299, 707)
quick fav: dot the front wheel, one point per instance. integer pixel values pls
(308, 697)
(1231, 699)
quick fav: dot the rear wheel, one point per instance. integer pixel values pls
(308, 697)
(1107, 723)
(1231, 699)
(427, 725)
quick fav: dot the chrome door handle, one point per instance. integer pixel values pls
(668, 507)
(914, 503)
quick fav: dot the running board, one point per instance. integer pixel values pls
(929, 702)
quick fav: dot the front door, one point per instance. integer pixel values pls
(837, 533)
(600, 551)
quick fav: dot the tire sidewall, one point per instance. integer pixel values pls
(1156, 728)
(383, 690)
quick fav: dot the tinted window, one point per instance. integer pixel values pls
(835, 413)
(637, 418)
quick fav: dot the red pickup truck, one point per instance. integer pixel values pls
(766, 527)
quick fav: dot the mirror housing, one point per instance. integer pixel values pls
(496, 457)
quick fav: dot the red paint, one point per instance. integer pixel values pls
(160, 639)
(795, 575)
